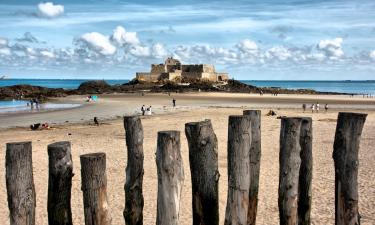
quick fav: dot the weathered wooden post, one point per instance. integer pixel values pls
(133, 212)
(345, 155)
(20, 183)
(170, 177)
(290, 161)
(203, 157)
(59, 183)
(94, 188)
(255, 154)
(305, 172)
(239, 144)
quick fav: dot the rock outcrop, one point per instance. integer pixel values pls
(94, 87)
(100, 87)
(28, 91)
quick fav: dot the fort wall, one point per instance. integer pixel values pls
(147, 77)
(172, 68)
(158, 68)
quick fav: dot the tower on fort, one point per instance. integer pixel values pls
(173, 69)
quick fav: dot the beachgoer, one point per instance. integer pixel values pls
(35, 126)
(317, 107)
(304, 107)
(326, 107)
(271, 113)
(45, 126)
(143, 109)
(37, 103)
(96, 121)
(31, 104)
(312, 108)
(148, 111)
(174, 102)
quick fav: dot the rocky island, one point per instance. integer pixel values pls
(172, 76)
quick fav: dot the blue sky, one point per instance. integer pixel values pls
(260, 39)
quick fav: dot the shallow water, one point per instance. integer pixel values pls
(21, 106)
(12, 104)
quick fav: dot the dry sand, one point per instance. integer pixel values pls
(109, 138)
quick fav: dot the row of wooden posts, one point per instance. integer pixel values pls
(244, 152)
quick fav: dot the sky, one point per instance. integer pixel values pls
(251, 40)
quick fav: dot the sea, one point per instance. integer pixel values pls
(343, 86)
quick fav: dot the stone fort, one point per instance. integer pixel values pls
(172, 69)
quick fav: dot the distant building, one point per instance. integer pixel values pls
(172, 69)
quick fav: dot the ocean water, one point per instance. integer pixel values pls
(53, 83)
(355, 87)
(12, 104)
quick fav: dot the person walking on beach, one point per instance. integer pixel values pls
(304, 107)
(148, 111)
(313, 108)
(326, 107)
(31, 104)
(96, 121)
(174, 102)
(143, 109)
(317, 107)
(37, 104)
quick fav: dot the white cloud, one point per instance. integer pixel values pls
(47, 54)
(278, 52)
(205, 54)
(158, 51)
(332, 48)
(50, 10)
(247, 46)
(372, 55)
(122, 48)
(5, 51)
(140, 51)
(98, 43)
(3, 42)
(121, 36)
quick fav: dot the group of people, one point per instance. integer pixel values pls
(91, 98)
(39, 126)
(314, 107)
(32, 102)
(146, 111)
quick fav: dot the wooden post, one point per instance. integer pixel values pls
(290, 161)
(205, 175)
(305, 172)
(133, 212)
(255, 154)
(20, 183)
(94, 187)
(170, 177)
(239, 144)
(59, 183)
(345, 155)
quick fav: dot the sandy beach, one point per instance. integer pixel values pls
(75, 125)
